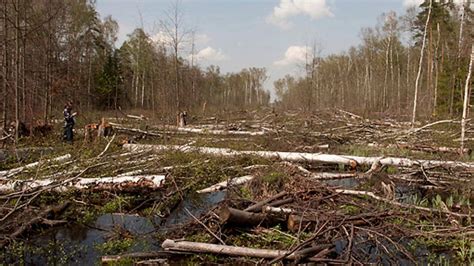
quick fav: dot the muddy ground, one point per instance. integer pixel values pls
(323, 212)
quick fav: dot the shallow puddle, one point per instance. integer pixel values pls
(84, 245)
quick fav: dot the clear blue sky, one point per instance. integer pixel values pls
(236, 34)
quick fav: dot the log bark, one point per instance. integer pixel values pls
(329, 176)
(270, 209)
(220, 132)
(14, 171)
(258, 206)
(295, 221)
(229, 215)
(198, 247)
(225, 184)
(118, 127)
(104, 183)
(302, 157)
(423, 148)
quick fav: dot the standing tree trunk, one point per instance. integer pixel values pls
(467, 95)
(5, 64)
(420, 65)
(17, 69)
(436, 65)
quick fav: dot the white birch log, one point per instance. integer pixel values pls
(270, 209)
(302, 156)
(220, 132)
(329, 176)
(147, 181)
(140, 117)
(227, 183)
(14, 171)
(199, 247)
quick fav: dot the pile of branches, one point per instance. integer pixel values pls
(320, 224)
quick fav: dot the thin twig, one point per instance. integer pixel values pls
(207, 228)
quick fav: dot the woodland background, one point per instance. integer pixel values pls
(58, 50)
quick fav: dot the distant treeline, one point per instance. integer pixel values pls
(379, 75)
(53, 51)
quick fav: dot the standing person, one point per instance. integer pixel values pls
(68, 122)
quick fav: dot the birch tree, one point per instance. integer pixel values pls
(467, 96)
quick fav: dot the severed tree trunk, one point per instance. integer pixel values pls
(420, 65)
(101, 183)
(467, 95)
(229, 215)
(353, 161)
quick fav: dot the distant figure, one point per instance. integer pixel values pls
(181, 119)
(68, 122)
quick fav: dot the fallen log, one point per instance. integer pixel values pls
(329, 176)
(423, 148)
(224, 184)
(301, 156)
(140, 117)
(119, 127)
(295, 222)
(229, 215)
(14, 171)
(258, 206)
(198, 247)
(104, 183)
(220, 132)
(270, 209)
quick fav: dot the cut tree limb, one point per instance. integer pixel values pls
(220, 132)
(258, 206)
(14, 171)
(199, 247)
(229, 215)
(104, 183)
(301, 156)
(224, 184)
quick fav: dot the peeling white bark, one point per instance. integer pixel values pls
(301, 156)
(147, 181)
(14, 171)
(225, 184)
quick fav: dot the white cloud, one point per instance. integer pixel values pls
(316, 9)
(210, 54)
(162, 37)
(295, 55)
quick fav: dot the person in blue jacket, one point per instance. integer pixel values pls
(69, 122)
